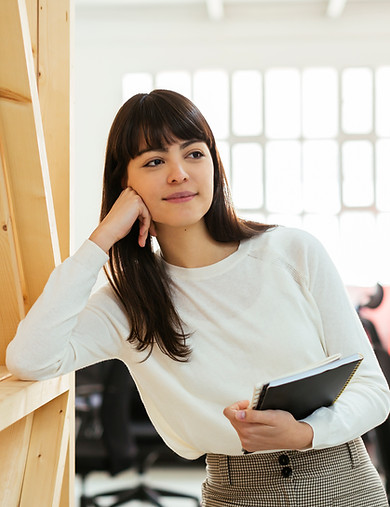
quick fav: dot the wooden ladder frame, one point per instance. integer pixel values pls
(36, 418)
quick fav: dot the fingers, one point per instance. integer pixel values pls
(146, 225)
(237, 410)
(268, 429)
(145, 221)
(266, 417)
(126, 210)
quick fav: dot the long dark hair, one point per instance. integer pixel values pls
(136, 274)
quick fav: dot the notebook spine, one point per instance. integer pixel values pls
(255, 397)
(261, 396)
(348, 380)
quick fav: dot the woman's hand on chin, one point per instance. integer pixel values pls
(128, 208)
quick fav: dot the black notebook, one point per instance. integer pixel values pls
(303, 392)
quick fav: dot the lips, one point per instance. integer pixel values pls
(180, 197)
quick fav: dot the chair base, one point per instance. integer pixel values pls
(141, 492)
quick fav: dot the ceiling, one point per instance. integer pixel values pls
(215, 8)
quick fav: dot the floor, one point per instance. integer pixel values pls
(187, 479)
(184, 479)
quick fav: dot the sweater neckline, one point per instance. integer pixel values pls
(214, 269)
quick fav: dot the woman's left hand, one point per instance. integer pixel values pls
(265, 430)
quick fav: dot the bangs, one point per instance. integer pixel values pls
(159, 121)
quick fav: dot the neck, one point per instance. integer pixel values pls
(192, 246)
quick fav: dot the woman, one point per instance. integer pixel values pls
(224, 304)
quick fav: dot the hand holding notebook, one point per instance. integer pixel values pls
(304, 392)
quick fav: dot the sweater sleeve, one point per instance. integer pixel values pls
(67, 328)
(365, 403)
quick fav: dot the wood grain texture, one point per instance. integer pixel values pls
(36, 418)
(19, 398)
(54, 93)
(26, 166)
(46, 458)
(14, 443)
(11, 273)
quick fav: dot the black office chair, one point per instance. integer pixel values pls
(113, 433)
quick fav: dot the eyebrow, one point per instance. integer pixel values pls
(183, 146)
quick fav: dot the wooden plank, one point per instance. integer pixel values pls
(53, 78)
(30, 53)
(54, 97)
(68, 484)
(67, 491)
(32, 14)
(4, 373)
(24, 151)
(14, 443)
(51, 48)
(20, 397)
(11, 299)
(46, 455)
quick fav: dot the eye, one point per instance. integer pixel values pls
(154, 163)
(196, 154)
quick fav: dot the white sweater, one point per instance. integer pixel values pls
(274, 306)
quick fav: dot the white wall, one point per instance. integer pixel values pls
(113, 41)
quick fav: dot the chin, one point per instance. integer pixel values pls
(179, 222)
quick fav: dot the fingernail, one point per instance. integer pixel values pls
(240, 414)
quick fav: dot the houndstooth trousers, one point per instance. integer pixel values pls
(341, 476)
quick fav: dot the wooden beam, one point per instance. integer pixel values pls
(54, 42)
(36, 418)
(24, 154)
(11, 299)
(14, 443)
(18, 398)
(335, 8)
(68, 484)
(46, 455)
(32, 15)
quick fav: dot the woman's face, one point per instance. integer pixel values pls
(175, 183)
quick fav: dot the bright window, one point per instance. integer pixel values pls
(247, 103)
(247, 175)
(302, 147)
(357, 100)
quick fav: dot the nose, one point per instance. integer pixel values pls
(177, 173)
